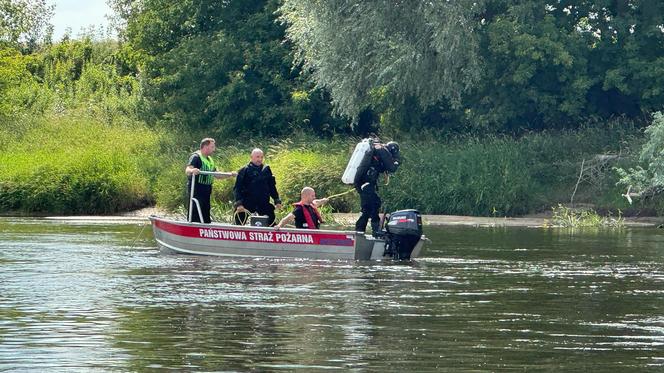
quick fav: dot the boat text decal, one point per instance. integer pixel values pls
(262, 236)
(255, 236)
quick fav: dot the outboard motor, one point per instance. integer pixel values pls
(403, 230)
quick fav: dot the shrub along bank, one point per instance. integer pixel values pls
(491, 176)
(74, 164)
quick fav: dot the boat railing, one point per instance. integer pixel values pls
(193, 200)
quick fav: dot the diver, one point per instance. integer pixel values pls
(384, 159)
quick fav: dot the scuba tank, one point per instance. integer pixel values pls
(360, 159)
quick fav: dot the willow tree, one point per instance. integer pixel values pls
(388, 50)
(25, 23)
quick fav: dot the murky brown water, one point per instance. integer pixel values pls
(90, 298)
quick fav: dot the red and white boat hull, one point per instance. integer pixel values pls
(233, 240)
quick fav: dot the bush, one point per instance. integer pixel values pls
(503, 176)
(487, 176)
(587, 218)
(77, 165)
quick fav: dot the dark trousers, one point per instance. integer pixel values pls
(241, 218)
(202, 193)
(369, 204)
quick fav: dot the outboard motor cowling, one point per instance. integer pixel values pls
(403, 230)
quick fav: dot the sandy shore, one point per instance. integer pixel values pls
(140, 216)
(478, 221)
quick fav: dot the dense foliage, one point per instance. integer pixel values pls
(647, 178)
(491, 100)
(224, 67)
(541, 64)
(69, 138)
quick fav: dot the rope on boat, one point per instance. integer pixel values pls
(340, 194)
(246, 216)
(139, 235)
(249, 213)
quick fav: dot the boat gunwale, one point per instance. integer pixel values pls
(153, 218)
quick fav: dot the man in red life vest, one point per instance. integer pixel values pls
(306, 213)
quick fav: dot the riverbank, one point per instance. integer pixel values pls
(478, 221)
(348, 219)
(488, 175)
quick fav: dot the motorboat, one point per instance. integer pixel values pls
(401, 239)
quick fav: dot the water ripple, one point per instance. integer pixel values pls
(76, 297)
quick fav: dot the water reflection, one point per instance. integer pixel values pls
(82, 297)
(256, 313)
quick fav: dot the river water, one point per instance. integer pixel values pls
(95, 297)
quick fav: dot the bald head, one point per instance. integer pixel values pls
(257, 157)
(307, 195)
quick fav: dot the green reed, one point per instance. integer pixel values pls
(75, 164)
(565, 217)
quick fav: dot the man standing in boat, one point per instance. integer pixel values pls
(201, 160)
(306, 213)
(254, 186)
(384, 159)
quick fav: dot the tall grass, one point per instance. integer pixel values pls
(502, 175)
(584, 218)
(74, 164)
(491, 176)
(69, 138)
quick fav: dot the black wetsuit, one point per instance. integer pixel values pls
(366, 184)
(254, 186)
(202, 190)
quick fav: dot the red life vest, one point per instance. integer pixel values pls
(307, 215)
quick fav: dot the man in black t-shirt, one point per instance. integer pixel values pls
(201, 160)
(305, 213)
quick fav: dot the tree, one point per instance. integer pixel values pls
(25, 23)
(222, 66)
(391, 50)
(549, 64)
(493, 65)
